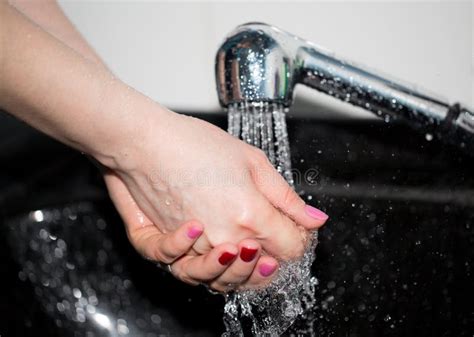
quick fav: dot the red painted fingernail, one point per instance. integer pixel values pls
(315, 213)
(194, 232)
(226, 258)
(267, 269)
(248, 254)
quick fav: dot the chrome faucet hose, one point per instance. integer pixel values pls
(261, 63)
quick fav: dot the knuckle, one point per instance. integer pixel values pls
(243, 216)
(259, 153)
(163, 256)
(159, 251)
(259, 157)
(290, 199)
(244, 212)
(149, 247)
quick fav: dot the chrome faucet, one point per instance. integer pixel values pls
(261, 63)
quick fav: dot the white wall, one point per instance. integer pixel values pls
(167, 49)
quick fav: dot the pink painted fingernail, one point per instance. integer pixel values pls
(194, 232)
(267, 269)
(315, 213)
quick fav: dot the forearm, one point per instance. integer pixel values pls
(48, 15)
(55, 89)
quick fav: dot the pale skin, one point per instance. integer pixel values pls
(156, 163)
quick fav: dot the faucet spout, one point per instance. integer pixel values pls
(261, 63)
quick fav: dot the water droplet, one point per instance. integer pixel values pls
(38, 216)
(77, 293)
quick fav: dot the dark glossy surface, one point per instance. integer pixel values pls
(394, 259)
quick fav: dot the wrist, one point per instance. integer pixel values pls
(71, 98)
(129, 119)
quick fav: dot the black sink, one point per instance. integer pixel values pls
(393, 260)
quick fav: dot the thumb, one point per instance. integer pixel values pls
(125, 204)
(147, 239)
(275, 188)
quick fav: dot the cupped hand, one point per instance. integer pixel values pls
(226, 267)
(181, 168)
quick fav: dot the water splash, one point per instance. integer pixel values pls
(271, 311)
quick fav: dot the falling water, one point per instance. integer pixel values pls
(264, 126)
(271, 311)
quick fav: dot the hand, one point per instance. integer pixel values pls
(181, 168)
(147, 147)
(220, 268)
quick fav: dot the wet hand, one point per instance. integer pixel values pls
(180, 168)
(226, 267)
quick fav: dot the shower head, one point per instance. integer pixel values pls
(258, 63)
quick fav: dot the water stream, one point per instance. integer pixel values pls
(271, 311)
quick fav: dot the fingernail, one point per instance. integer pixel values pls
(226, 258)
(315, 213)
(248, 254)
(267, 269)
(194, 232)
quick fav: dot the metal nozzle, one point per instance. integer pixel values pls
(261, 63)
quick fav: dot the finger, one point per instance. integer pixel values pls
(166, 248)
(204, 268)
(241, 269)
(264, 272)
(275, 188)
(125, 204)
(279, 235)
(143, 234)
